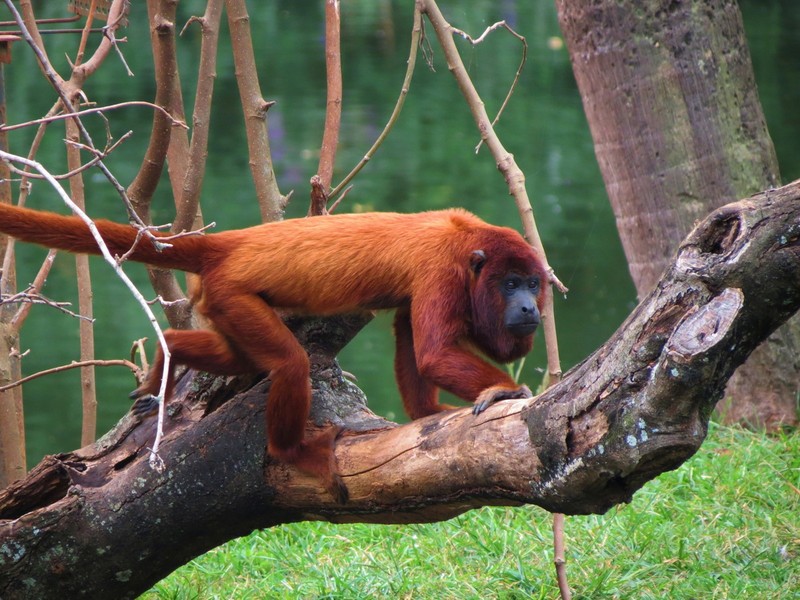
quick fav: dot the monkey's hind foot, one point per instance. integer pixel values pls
(315, 456)
(144, 406)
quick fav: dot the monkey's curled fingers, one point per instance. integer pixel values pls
(496, 393)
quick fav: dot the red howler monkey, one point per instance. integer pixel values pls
(458, 284)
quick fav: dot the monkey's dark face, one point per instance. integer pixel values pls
(506, 291)
(521, 294)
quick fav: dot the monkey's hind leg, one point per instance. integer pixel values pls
(199, 349)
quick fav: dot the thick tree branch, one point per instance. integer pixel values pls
(637, 407)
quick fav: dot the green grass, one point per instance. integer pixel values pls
(725, 525)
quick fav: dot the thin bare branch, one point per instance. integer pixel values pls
(162, 242)
(481, 38)
(559, 556)
(87, 28)
(333, 111)
(98, 109)
(338, 201)
(85, 296)
(515, 179)
(416, 34)
(201, 117)
(514, 176)
(31, 296)
(161, 15)
(100, 155)
(138, 348)
(166, 144)
(116, 18)
(60, 87)
(77, 365)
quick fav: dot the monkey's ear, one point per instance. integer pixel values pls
(476, 261)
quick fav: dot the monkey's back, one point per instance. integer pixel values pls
(340, 263)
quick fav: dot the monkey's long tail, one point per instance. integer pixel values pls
(72, 234)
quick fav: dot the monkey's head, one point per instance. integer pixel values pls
(506, 295)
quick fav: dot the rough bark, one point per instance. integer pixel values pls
(638, 407)
(671, 100)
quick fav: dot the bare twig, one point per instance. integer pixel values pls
(30, 296)
(116, 18)
(116, 362)
(38, 283)
(513, 86)
(166, 144)
(85, 296)
(87, 27)
(514, 176)
(338, 201)
(144, 184)
(416, 33)
(161, 16)
(79, 74)
(7, 284)
(98, 109)
(100, 155)
(333, 111)
(559, 556)
(162, 242)
(138, 348)
(201, 118)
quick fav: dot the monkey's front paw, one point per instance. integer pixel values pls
(496, 393)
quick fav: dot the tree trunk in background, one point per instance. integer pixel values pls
(669, 93)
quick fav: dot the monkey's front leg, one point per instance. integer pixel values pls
(460, 372)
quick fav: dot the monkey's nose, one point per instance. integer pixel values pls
(524, 321)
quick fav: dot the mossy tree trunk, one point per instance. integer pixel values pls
(671, 100)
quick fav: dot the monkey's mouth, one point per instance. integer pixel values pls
(522, 329)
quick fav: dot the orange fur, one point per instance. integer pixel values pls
(423, 264)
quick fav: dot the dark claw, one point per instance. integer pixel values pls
(480, 407)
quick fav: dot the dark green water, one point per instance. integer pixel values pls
(428, 162)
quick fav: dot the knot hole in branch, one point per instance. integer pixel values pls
(720, 235)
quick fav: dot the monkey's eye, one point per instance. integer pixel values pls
(533, 283)
(511, 284)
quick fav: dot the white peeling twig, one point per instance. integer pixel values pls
(155, 460)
